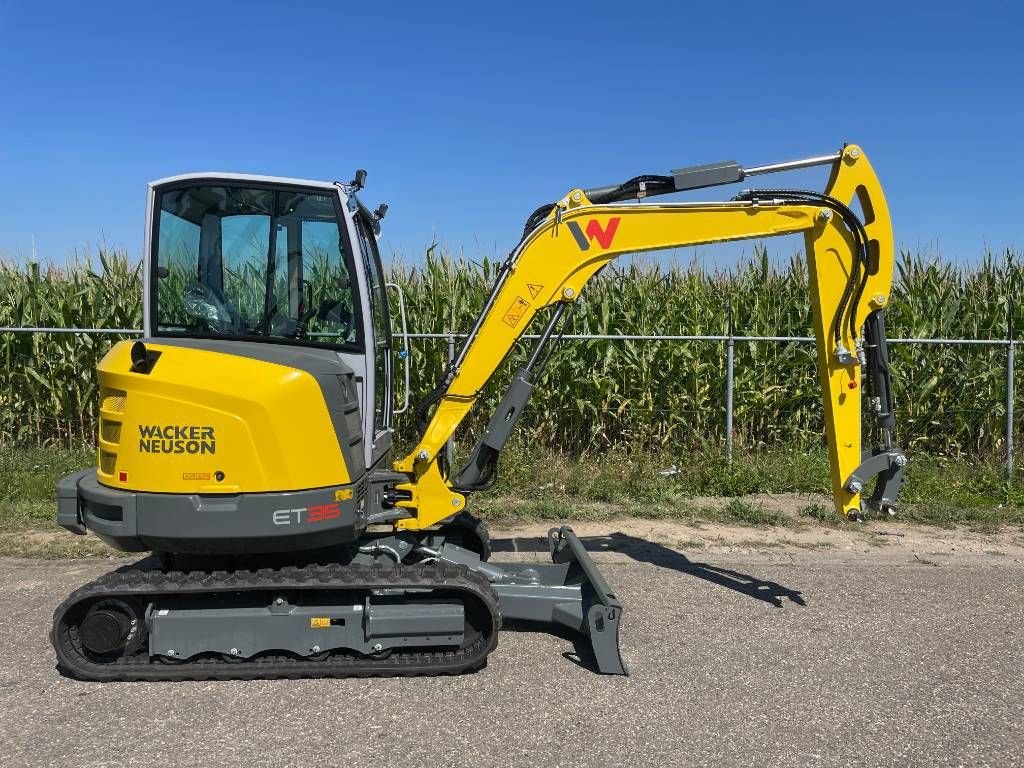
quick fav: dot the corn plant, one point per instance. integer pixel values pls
(594, 394)
(47, 383)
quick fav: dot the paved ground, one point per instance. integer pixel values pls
(782, 658)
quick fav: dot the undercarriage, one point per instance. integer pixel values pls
(370, 613)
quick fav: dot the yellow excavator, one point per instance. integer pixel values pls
(246, 440)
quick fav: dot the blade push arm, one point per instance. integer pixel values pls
(850, 271)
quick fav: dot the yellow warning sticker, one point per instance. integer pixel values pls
(516, 311)
(534, 289)
(195, 475)
(344, 493)
(319, 622)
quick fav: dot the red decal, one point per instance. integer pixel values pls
(323, 512)
(122, 477)
(603, 235)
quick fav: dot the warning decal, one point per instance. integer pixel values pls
(534, 289)
(516, 311)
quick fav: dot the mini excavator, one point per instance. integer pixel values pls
(246, 439)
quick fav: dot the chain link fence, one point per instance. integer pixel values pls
(736, 409)
(995, 424)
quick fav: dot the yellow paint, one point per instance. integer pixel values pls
(552, 267)
(270, 426)
(432, 499)
(829, 258)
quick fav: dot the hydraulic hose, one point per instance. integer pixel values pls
(855, 284)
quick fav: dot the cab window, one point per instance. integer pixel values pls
(252, 263)
(380, 319)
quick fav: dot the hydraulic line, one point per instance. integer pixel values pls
(638, 187)
(855, 283)
(534, 220)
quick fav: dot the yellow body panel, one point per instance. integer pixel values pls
(262, 426)
(579, 238)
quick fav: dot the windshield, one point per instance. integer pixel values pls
(252, 263)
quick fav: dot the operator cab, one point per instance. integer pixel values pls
(275, 261)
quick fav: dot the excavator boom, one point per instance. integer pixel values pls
(850, 266)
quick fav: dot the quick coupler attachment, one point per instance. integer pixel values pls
(885, 464)
(570, 592)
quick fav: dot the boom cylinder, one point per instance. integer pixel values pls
(479, 470)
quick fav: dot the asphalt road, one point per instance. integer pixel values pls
(788, 659)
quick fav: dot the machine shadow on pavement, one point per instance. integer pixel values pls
(645, 551)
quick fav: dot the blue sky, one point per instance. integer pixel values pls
(467, 116)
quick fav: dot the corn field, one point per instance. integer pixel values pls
(664, 395)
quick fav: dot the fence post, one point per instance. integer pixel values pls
(1009, 391)
(449, 451)
(730, 346)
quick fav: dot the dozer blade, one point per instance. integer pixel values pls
(571, 592)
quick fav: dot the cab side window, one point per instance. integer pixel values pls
(376, 292)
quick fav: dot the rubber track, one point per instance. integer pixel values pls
(152, 584)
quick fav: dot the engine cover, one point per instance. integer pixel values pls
(227, 417)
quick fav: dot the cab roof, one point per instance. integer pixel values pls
(223, 176)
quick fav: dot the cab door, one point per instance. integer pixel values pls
(379, 342)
